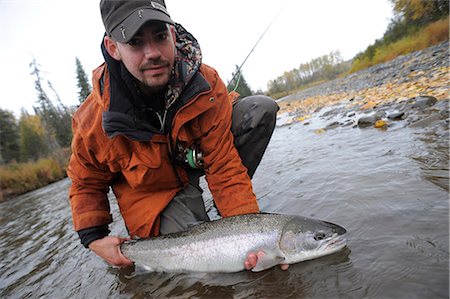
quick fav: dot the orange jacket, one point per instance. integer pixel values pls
(141, 173)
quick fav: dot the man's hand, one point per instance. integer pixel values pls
(108, 248)
(252, 260)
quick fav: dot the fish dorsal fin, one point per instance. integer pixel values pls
(268, 260)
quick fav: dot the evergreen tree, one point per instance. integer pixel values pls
(242, 87)
(84, 87)
(9, 137)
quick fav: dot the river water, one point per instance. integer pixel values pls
(388, 188)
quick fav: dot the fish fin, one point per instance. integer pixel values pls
(268, 260)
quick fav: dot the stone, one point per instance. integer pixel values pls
(395, 115)
(423, 101)
(366, 121)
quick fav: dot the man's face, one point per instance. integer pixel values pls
(149, 56)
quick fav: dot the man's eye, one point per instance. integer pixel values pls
(162, 36)
(134, 42)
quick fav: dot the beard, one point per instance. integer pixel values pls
(155, 76)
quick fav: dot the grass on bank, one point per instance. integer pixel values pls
(428, 36)
(18, 178)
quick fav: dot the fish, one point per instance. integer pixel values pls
(222, 246)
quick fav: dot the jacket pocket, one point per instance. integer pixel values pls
(143, 166)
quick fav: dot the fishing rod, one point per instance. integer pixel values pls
(251, 51)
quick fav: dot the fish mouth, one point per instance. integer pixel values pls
(336, 242)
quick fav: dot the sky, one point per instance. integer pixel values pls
(54, 32)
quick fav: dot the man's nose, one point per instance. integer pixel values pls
(151, 51)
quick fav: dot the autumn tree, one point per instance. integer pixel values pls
(84, 87)
(325, 67)
(421, 12)
(33, 139)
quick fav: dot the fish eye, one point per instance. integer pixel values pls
(320, 235)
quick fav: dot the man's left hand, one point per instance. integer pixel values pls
(252, 260)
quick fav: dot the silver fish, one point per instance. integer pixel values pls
(223, 245)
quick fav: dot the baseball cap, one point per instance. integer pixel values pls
(123, 18)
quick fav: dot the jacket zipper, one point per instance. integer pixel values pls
(171, 142)
(162, 119)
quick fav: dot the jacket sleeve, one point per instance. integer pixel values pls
(90, 183)
(227, 177)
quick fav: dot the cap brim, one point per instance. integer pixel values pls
(128, 28)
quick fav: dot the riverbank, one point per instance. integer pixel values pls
(19, 178)
(396, 83)
(407, 94)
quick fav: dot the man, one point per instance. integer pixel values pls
(156, 120)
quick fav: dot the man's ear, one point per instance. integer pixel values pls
(172, 32)
(111, 47)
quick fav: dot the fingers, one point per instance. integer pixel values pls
(108, 248)
(252, 260)
(284, 267)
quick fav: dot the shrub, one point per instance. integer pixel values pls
(432, 34)
(18, 178)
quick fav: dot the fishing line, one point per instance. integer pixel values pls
(238, 73)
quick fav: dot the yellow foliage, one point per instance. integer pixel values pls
(437, 31)
(17, 178)
(432, 34)
(380, 124)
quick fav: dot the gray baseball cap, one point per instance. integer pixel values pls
(123, 18)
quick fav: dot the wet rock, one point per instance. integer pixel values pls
(332, 125)
(368, 121)
(347, 123)
(396, 115)
(423, 101)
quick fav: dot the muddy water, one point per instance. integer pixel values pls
(388, 188)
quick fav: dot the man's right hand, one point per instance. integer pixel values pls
(108, 248)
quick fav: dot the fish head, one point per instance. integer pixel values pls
(305, 239)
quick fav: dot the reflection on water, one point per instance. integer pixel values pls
(389, 189)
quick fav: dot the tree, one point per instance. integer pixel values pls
(33, 143)
(56, 118)
(84, 88)
(64, 120)
(239, 84)
(420, 12)
(326, 67)
(9, 137)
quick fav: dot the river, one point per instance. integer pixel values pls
(388, 188)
